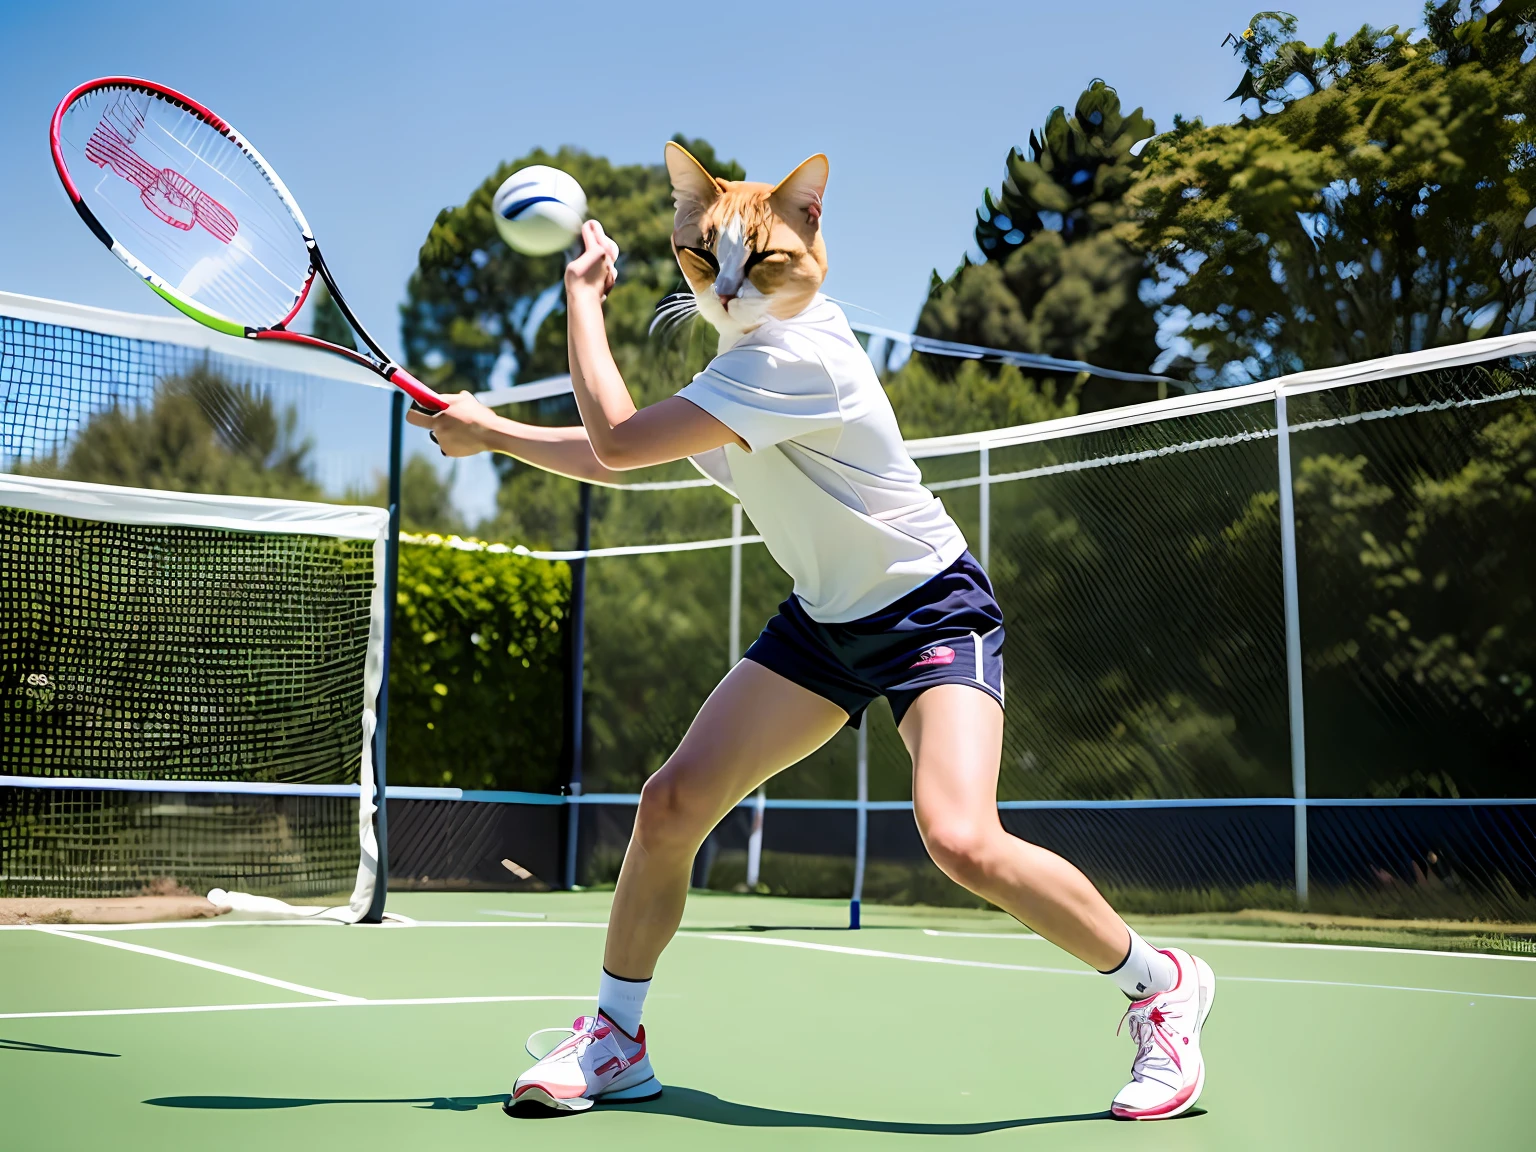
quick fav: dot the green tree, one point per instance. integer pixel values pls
(426, 499)
(1379, 202)
(326, 320)
(201, 433)
(974, 398)
(472, 300)
(1058, 276)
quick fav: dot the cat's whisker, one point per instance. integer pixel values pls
(671, 311)
(669, 328)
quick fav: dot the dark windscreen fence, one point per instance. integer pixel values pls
(191, 644)
(1268, 647)
(1322, 694)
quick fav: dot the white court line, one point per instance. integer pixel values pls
(1374, 949)
(1380, 987)
(1088, 972)
(497, 924)
(896, 955)
(175, 1011)
(302, 989)
(513, 915)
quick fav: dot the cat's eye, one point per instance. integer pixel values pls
(705, 255)
(774, 255)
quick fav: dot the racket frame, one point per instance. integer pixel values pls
(379, 362)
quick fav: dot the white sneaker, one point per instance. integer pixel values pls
(594, 1061)
(1168, 1072)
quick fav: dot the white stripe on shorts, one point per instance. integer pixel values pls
(976, 642)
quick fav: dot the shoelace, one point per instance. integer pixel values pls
(581, 1039)
(578, 1042)
(1149, 1028)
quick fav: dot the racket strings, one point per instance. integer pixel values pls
(189, 204)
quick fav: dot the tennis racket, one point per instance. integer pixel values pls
(186, 202)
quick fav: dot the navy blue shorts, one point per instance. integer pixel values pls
(948, 631)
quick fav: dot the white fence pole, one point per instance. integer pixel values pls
(861, 828)
(986, 508)
(1292, 643)
(760, 805)
(755, 840)
(733, 633)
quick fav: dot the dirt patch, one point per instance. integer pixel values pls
(112, 910)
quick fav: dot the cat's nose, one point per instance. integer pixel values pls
(726, 298)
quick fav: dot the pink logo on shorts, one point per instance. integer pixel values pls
(931, 657)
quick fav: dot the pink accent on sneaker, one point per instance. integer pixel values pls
(599, 1060)
(1168, 1072)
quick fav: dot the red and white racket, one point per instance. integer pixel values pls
(194, 210)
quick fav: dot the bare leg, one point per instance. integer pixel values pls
(754, 724)
(955, 736)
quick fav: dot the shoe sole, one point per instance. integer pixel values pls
(1207, 979)
(534, 1094)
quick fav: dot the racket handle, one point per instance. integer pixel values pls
(424, 398)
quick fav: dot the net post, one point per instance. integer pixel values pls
(576, 678)
(985, 498)
(1292, 643)
(861, 825)
(375, 913)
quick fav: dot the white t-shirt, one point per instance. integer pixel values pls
(828, 482)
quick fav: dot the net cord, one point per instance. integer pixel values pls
(112, 504)
(186, 333)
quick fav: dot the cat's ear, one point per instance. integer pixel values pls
(797, 197)
(693, 188)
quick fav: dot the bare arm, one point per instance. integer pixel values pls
(622, 436)
(614, 435)
(468, 427)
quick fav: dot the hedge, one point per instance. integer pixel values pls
(477, 672)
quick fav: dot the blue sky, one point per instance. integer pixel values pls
(377, 115)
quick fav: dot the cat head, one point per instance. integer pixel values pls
(749, 251)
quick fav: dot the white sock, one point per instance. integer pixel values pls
(622, 1000)
(1144, 970)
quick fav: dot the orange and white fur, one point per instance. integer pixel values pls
(749, 250)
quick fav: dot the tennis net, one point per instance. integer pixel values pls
(192, 691)
(187, 680)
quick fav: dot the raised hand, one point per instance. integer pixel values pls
(596, 268)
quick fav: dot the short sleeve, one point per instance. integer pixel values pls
(766, 395)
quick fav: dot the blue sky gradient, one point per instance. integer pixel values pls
(379, 114)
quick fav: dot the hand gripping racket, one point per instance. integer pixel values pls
(194, 210)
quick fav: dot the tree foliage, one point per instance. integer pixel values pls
(426, 499)
(1375, 202)
(1058, 276)
(327, 322)
(1380, 201)
(201, 433)
(473, 301)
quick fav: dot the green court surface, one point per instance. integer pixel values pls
(925, 1029)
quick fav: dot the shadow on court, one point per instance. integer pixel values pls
(692, 1104)
(27, 1046)
(686, 1103)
